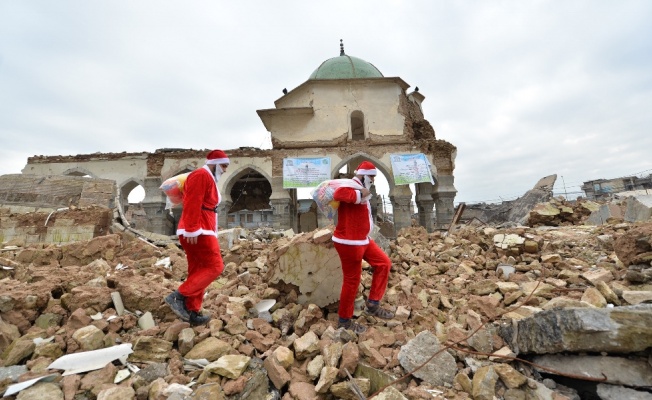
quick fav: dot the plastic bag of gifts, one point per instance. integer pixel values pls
(173, 189)
(323, 195)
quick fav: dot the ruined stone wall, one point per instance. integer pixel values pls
(55, 226)
(51, 192)
(46, 209)
(120, 167)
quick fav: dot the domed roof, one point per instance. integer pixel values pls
(345, 67)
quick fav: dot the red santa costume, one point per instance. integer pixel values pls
(199, 219)
(352, 242)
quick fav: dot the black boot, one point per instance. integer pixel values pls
(197, 318)
(177, 304)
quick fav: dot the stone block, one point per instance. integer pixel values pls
(69, 234)
(439, 370)
(617, 370)
(636, 210)
(228, 237)
(605, 213)
(63, 222)
(624, 329)
(313, 268)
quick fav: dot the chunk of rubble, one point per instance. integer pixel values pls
(313, 267)
(607, 213)
(517, 211)
(624, 329)
(638, 209)
(439, 370)
(612, 392)
(617, 370)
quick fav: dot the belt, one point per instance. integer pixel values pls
(210, 209)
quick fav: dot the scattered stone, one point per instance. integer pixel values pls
(439, 370)
(495, 291)
(622, 330)
(617, 370)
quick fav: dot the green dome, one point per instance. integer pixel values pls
(345, 67)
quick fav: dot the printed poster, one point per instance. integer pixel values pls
(305, 172)
(410, 168)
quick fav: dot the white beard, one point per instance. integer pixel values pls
(218, 172)
(367, 182)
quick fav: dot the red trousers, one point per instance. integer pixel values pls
(204, 266)
(351, 258)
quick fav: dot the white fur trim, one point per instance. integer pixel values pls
(219, 161)
(365, 172)
(350, 241)
(183, 232)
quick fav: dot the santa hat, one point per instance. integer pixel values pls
(217, 157)
(365, 168)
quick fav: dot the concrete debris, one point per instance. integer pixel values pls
(611, 392)
(625, 329)
(515, 211)
(638, 208)
(538, 207)
(573, 300)
(558, 211)
(618, 370)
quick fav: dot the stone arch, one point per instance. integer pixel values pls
(234, 176)
(247, 193)
(380, 202)
(134, 213)
(126, 187)
(358, 158)
(79, 171)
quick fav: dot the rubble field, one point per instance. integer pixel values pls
(482, 312)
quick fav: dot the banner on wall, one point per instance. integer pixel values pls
(410, 168)
(305, 172)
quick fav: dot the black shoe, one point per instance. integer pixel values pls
(177, 304)
(197, 318)
(377, 311)
(353, 326)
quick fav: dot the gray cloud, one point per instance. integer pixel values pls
(523, 89)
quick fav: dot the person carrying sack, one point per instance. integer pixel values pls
(197, 231)
(353, 244)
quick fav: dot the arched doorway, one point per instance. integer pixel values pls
(250, 207)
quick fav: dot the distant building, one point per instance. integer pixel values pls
(602, 189)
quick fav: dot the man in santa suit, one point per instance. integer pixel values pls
(353, 244)
(197, 231)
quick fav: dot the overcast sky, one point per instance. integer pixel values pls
(523, 89)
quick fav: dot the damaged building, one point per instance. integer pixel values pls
(346, 110)
(604, 189)
(559, 308)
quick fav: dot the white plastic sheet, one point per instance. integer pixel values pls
(90, 360)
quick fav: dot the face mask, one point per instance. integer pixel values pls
(367, 182)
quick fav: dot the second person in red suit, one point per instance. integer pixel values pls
(197, 231)
(353, 244)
